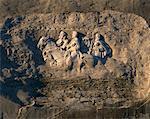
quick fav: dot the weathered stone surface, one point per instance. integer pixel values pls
(17, 7)
(122, 80)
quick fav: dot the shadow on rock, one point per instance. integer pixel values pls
(18, 90)
(32, 45)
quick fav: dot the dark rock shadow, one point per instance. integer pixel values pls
(83, 48)
(9, 90)
(8, 24)
(32, 85)
(32, 45)
(80, 37)
(3, 31)
(10, 87)
(107, 48)
(4, 61)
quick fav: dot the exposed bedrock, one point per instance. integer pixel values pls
(17, 7)
(126, 34)
(123, 79)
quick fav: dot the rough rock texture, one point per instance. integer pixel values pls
(17, 7)
(121, 82)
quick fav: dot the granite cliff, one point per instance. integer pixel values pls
(24, 7)
(121, 82)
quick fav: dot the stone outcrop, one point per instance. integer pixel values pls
(17, 7)
(82, 78)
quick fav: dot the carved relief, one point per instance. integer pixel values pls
(75, 53)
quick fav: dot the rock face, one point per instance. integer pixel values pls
(121, 80)
(76, 53)
(17, 7)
